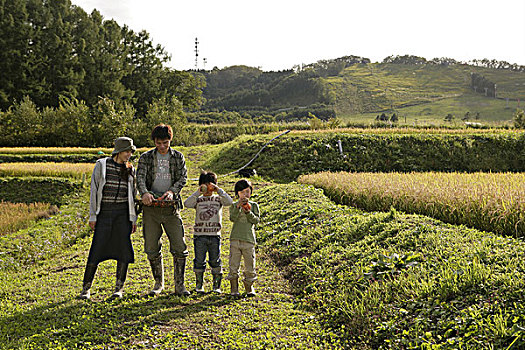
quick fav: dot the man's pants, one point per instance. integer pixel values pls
(154, 220)
(246, 250)
(211, 245)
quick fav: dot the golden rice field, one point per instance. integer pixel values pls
(409, 130)
(16, 216)
(486, 201)
(69, 170)
(57, 150)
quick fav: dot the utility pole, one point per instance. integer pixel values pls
(196, 54)
(204, 60)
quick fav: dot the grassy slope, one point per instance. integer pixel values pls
(38, 308)
(422, 93)
(396, 281)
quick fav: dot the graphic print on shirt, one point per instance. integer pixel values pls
(163, 172)
(208, 219)
(208, 210)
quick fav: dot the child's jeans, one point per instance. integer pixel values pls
(211, 245)
(245, 250)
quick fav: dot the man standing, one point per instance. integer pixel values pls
(161, 175)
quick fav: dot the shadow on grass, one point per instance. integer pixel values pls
(85, 323)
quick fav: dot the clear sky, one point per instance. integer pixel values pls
(278, 34)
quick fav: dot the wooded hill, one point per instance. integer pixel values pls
(353, 85)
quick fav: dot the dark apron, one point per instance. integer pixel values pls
(112, 237)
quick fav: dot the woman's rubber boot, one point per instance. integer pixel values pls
(217, 279)
(89, 275)
(248, 286)
(199, 281)
(158, 274)
(122, 271)
(180, 266)
(234, 286)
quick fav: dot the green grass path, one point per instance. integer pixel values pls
(39, 309)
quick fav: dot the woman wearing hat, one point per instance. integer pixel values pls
(112, 214)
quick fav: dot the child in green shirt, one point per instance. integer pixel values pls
(245, 215)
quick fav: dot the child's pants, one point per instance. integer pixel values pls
(246, 250)
(212, 246)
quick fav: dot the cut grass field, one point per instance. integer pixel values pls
(492, 112)
(486, 201)
(41, 275)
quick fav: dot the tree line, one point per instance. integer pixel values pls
(51, 50)
(446, 61)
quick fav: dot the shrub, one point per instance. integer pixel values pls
(519, 119)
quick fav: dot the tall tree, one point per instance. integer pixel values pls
(184, 86)
(15, 38)
(100, 49)
(54, 43)
(146, 63)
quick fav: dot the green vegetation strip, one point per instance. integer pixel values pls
(389, 280)
(486, 201)
(37, 189)
(296, 154)
(56, 158)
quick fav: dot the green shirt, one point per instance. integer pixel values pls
(244, 223)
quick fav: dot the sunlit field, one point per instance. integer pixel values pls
(487, 201)
(69, 170)
(14, 216)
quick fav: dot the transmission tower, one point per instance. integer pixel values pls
(196, 53)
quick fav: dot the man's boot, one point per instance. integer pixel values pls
(234, 284)
(158, 275)
(122, 271)
(89, 275)
(217, 278)
(180, 266)
(248, 286)
(199, 281)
